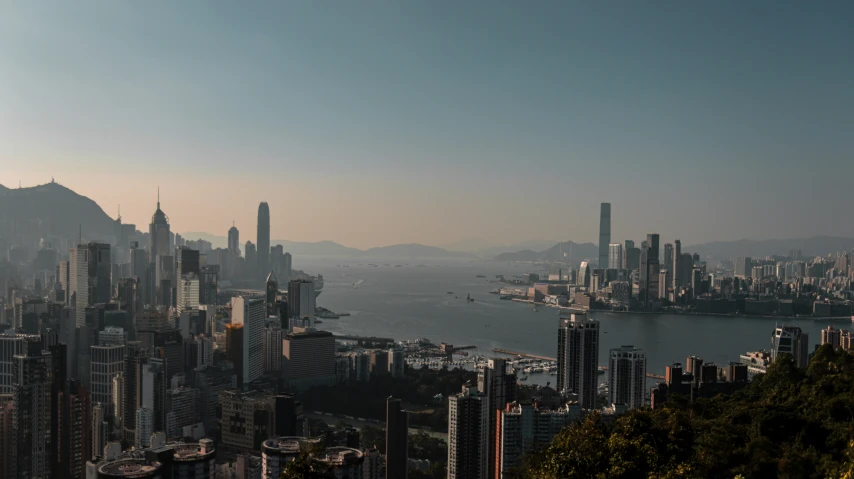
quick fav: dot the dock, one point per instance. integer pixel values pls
(367, 341)
(546, 358)
(523, 355)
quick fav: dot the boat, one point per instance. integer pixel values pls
(534, 309)
(480, 276)
(450, 292)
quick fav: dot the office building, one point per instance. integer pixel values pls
(468, 428)
(31, 414)
(263, 237)
(301, 302)
(112, 336)
(604, 233)
(73, 440)
(627, 377)
(100, 430)
(499, 388)
(668, 258)
(396, 439)
(181, 409)
(308, 359)
(6, 436)
(144, 420)
(578, 358)
(615, 256)
(247, 419)
(234, 240)
(159, 238)
(234, 349)
(524, 428)
(791, 340)
(831, 336)
(649, 270)
(154, 387)
(106, 363)
(272, 291)
(583, 278)
(396, 363)
(250, 312)
(287, 265)
(676, 266)
(272, 348)
(743, 267)
(11, 345)
(379, 362)
(188, 293)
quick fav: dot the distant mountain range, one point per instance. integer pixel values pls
(811, 247)
(59, 211)
(566, 251)
(56, 209)
(330, 248)
(718, 250)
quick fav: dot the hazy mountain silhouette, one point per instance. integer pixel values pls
(567, 251)
(811, 247)
(331, 248)
(488, 249)
(413, 251)
(59, 209)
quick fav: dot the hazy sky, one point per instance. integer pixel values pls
(373, 123)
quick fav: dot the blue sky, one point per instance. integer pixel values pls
(379, 122)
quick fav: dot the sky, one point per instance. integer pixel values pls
(382, 122)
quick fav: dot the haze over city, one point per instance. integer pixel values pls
(376, 123)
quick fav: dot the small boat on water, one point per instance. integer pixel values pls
(534, 309)
(450, 292)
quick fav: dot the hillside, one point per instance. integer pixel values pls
(57, 210)
(788, 423)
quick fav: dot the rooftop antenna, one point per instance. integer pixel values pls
(80, 237)
(120, 213)
(158, 197)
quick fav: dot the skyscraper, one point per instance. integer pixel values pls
(649, 269)
(743, 267)
(263, 238)
(615, 256)
(272, 292)
(791, 340)
(604, 233)
(287, 266)
(578, 356)
(468, 427)
(250, 312)
(627, 372)
(234, 240)
(301, 301)
(668, 258)
(106, 362)
(499, 387)
(31, 417)
(677, 266)
(159, 239)
(74, 444)
(396, 439)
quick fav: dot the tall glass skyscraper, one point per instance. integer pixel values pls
(263, 238)
(604, 233)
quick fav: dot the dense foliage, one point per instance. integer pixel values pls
(788, 423)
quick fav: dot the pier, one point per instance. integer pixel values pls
(523, 355)
(546, 358)
(366, 341)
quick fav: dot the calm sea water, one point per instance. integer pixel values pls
(410, 302)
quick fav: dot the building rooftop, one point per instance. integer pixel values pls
(129, 467)
(341, 456)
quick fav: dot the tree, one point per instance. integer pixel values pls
(304, 467)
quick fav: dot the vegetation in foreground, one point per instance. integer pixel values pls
(788, 423)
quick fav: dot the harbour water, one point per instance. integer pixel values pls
(411, 301)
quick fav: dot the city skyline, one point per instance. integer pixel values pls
(365, 114)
